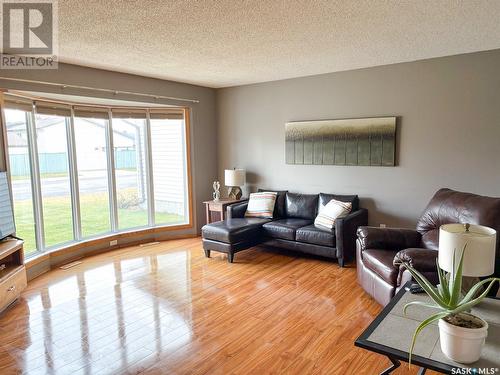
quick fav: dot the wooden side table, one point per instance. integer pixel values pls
(216, 210)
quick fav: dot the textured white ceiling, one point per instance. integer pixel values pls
(233, 42)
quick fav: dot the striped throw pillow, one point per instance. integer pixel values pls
(330, 212)
(261, 205)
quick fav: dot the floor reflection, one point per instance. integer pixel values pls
(100, 318)
(167, 309)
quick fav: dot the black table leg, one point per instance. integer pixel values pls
(421, 371)
(394, 366)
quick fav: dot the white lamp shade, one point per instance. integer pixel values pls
(234, 177)
(479, 258)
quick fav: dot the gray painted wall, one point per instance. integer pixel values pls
(203, 126)
(448, 131)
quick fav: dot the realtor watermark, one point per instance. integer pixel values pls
(29, 34)
(476, 371)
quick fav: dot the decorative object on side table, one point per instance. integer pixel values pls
(463, 250)
(216, 193)
(234, 179)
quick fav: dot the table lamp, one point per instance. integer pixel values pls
(234, 178)
(479, 258)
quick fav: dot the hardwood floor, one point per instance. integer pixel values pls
(166, 309)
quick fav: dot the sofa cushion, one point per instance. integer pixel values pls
(261, 205)
(284, 228)
(325, 198)
(279, 206)
(303, 206)
(316, 236)
(381, 262)
(331, 212)
(233, 230)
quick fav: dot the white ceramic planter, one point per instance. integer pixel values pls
(462, 345)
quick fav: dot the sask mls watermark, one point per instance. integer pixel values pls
(29, 34)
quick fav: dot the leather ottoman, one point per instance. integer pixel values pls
(232, 235)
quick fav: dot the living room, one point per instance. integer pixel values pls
(293, 187)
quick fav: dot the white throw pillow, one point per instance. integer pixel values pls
(261, 205)
(330, 212)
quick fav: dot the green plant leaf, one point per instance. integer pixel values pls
(443, 293)
(475, 301)
(472, 292)
(443, 283)
(420, 303)
(456, 283)
(426, 285)
(451, 277)
(421, 326)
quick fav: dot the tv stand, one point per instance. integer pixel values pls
(12, 271)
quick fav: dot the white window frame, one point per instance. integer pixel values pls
(74, 184)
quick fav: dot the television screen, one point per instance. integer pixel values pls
(7, 226)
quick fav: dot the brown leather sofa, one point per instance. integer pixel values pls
(380, 251)
(291, 228)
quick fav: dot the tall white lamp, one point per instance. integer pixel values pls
(234, 178)
(479, 258)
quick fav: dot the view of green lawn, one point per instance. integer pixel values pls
(95, 219)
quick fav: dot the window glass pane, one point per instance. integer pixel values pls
(169, 171)
(130, 172)
(19, 164)
(51, 127)
(54, 178)
(91, 149)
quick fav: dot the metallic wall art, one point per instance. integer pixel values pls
(365, 141)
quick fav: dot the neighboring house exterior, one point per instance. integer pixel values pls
(169, 170)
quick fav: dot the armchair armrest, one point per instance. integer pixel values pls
(423, 260)
(387, 238)
(345, 232)
(236, 210)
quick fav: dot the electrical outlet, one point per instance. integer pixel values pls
(113, 243)
(383, 226)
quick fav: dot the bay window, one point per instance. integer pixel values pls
(129, 143)
(18, 140)
(52, 158)
(169, 166)
(80, 171)
(91, 146)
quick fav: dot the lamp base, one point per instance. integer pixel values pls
(468, 282)
(234, 192)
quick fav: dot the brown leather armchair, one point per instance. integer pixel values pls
(380, 251)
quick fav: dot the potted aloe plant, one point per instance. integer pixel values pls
(462, 334)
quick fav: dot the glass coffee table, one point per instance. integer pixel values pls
(391, 332)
